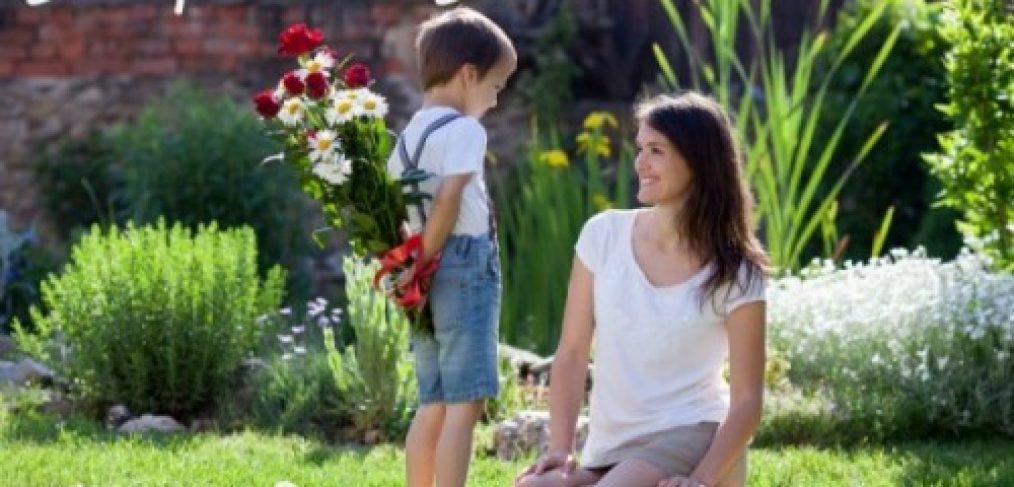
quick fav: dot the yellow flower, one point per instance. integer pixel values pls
(587, 141)
(554, 158)
(601, 202)
(595, 120)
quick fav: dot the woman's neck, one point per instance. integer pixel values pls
(663, 230)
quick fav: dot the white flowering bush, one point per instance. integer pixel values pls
(901, 346)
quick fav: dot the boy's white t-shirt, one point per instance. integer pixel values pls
(658, 354)
(456, 148)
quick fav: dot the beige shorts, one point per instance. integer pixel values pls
(675, 451)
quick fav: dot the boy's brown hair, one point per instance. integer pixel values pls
(455, 38)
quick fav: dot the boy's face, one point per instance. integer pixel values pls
(481, 92)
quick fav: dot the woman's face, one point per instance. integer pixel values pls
(663, 174)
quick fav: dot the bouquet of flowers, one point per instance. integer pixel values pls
(332, 128)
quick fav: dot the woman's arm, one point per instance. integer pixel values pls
(570, 363)
(569, 373)
(746, 366)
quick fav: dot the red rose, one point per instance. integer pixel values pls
(293, 84)
(357, 76)
(316, 85)
(266, 104)
(297, 40)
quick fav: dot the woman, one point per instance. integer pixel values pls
(670, 291)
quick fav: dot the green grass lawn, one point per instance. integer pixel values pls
(46, 452)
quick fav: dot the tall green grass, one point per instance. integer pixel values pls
(540, 214)
(777, 103)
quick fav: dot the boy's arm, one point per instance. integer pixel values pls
(443, 213)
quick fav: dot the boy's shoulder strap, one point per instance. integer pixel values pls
(413, 162)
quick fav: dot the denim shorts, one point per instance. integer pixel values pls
(458, 363)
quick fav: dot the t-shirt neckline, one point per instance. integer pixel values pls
(642, 276)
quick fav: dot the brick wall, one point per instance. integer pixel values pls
(71, 66)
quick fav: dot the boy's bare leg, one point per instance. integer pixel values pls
(454, 451)
(421, 445)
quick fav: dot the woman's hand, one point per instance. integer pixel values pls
(550, 461)
(680, 481)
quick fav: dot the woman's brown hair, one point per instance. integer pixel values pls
(716, 216)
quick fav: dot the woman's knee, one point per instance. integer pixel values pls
(555, 478)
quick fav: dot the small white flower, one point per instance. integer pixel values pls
(322, 62)
(323, 146)
(334, 171)
(299, 350)
(372, 104)
(292, 111)
(285, 338)
(342, 109)
(285, 311)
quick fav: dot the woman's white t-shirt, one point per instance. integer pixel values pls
(456, 148)
(658, 353)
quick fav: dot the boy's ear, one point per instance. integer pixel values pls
(469, 73)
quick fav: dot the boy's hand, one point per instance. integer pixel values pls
(404, 280)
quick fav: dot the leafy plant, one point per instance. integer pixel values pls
(157, 318)
(777, 107)
(83, 182)
(373, 375)
(976, 161)
(912, 81)
(194, 158)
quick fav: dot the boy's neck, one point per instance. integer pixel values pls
(442, 96)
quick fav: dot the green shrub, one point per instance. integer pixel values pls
(297, 396)
(376, 385)
(195, 158)
(155, 318)
(911, 82)
(83, 185)
(976, 161)
(295, 392)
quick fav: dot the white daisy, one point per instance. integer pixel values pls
(356, 95)
(322, 62)
(372, 104)
(342, 110)
(292, 111)
(334, 171)
(323, 146)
